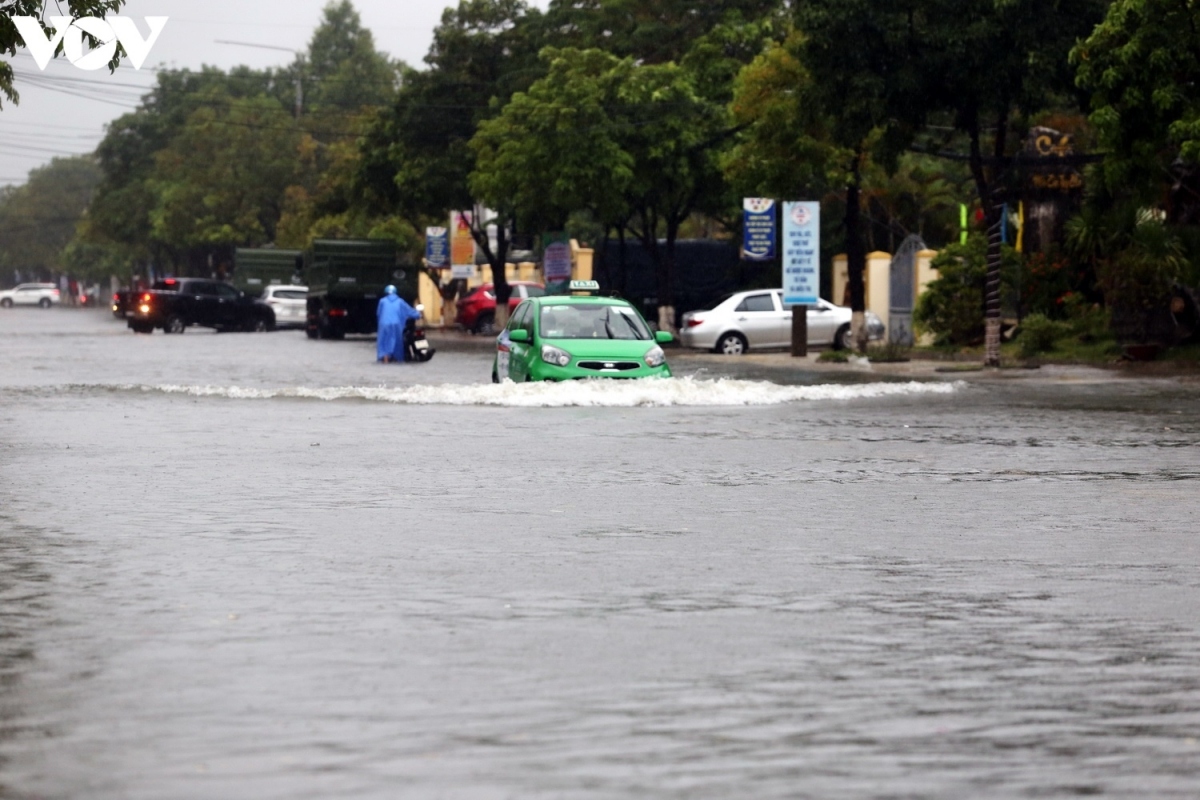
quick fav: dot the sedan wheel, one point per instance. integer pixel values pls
(175, 325)
(486, 324)
(44, 302)
(731, 344)
(844, 338)
(7, 303)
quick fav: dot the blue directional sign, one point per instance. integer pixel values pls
(801, 253)
(437, 247)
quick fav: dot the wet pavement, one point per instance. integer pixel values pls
(253, 565)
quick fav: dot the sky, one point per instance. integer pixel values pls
(63, 110)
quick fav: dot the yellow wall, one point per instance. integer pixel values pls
(879, 282)
(877, 279)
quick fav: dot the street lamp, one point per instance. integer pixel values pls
(299, 54)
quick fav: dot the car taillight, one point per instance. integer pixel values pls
(694, 321)
(146, 298)
(337, 312)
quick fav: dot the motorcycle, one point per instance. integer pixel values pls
(416, 346)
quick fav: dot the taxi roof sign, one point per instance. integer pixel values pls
(592, 287)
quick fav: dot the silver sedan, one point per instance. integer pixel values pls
(759, 319)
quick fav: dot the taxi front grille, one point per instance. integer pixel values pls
(609, 366)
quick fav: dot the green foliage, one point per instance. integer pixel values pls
(1039, 333)
(1147, 114)
(833, 357)
(951, 308)
(10, 39)
(889, 352)
(222, 178)
(565, 119)
(784, 147)
(1089, 322)
(38, 219)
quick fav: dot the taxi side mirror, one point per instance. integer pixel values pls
(519, 335)
(663, 337)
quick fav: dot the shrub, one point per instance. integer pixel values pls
(1039, 333)
(951, 308)
(888, 352)
(834, 356)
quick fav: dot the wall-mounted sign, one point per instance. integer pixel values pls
(462, 244)
(801, 253)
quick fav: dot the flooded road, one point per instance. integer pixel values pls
(253, 565)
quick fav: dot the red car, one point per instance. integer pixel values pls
(477, 310)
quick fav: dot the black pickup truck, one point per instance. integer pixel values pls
(175, 304)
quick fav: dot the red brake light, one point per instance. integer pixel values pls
(337, 312)
(169, 281)
(146, 297)
(694, 321)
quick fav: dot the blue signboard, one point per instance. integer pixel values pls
(437, 247)
(801, 253)
(758, 228)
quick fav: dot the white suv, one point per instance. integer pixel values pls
(290, 304)
(30, 294)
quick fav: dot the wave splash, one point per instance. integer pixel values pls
(616, 394)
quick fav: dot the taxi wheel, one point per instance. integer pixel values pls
(731, 344)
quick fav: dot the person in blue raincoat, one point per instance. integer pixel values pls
(392, 313)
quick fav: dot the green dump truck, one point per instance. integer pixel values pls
(254, 269)
(346, 278)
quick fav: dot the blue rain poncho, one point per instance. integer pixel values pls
(391, 313)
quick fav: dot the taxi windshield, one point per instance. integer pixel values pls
(593, 322)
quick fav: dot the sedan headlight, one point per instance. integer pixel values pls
(655, 357)
(555, 356)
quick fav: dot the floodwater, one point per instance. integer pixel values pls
(257, 566)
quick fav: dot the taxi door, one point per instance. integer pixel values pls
(511, 356)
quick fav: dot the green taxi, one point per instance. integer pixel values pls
(580, 335)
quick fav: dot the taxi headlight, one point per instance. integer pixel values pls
(555, 356)
(655, 357)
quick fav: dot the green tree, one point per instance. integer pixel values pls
(416, 157)
(635, 144)
(10, 38)
(221, 180)
(986, 66)
(1140, 66)
(38, 218)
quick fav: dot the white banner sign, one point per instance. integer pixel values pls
(801, 253)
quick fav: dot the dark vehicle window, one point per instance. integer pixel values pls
(515, 322)
(225, 290)
(757, 302)
(526, 321)
(291, 294)
(193, 288)
(593, 322)
(535, 291)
